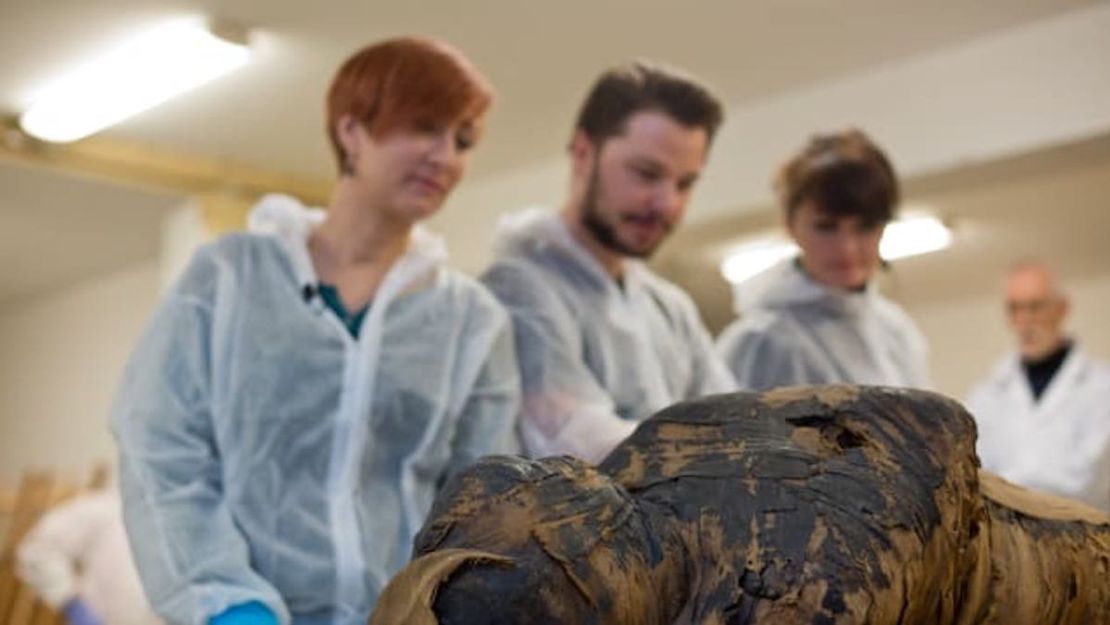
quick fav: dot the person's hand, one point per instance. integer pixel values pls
(253, 613)
(77, 612)
(49, 574)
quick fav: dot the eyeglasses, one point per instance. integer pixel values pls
(1030, 307)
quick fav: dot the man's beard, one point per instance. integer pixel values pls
(594, 221)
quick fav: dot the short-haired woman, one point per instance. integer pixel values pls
(818, 319)
(306, 387)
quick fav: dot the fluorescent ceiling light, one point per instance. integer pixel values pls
(139, 74)
(909, 236)
(913, 235)
(751, 259)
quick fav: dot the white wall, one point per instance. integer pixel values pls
(61, 355)
(966, 337)
(182, 233)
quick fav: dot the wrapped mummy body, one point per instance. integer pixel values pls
(826, 505)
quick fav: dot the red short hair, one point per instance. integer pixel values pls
(401, 82)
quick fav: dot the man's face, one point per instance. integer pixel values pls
(1036, 312)
(637, 183)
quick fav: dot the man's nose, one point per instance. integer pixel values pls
(666, 199)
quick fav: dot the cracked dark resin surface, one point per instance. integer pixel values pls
(815, 505)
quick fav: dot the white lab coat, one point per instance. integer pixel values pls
(1060, 444)
(80, 549)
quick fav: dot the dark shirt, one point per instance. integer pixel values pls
(352, 321)
(1040, 372)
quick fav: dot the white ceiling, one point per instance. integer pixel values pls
(541, 57)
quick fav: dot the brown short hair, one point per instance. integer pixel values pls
(402, 82)
(625, 90)
(844, 174)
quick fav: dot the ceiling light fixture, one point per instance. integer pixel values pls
(139, 74)
(913, 235)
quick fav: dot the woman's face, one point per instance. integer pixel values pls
(841, 252)
(409, 171)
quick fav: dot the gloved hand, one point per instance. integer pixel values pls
(77, 612)
(47, 572)
(253, 613)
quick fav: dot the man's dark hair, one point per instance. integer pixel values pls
(623, 91)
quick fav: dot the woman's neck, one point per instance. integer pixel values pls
(799, 263)
(355, 233)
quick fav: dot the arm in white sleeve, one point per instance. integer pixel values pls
(760, 359)
(565, 408)
(50, 554)
(192, 559)
(488, 422)
(711, 375)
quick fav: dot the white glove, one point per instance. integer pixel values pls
(49, 573)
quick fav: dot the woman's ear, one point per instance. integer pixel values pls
(349, 132)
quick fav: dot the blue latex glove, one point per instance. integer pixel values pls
(77, 612)
(253, 613)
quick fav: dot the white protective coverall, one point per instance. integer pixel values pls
(796, 331)
(596, 356)
(268, 455)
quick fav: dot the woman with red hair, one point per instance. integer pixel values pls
(306, 387)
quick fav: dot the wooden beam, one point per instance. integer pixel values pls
(221, 213)
(153, 169)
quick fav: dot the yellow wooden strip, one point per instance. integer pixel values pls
(160, 170)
